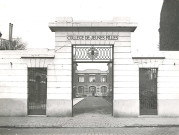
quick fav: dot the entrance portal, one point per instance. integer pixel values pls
(97, 83)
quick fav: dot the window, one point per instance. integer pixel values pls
(103, 78)
(80, 78)
(92, 78)
(80, 89)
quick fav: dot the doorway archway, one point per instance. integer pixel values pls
(94, 87)
(92, 90)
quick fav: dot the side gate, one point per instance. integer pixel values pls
(37, 91)
(148, 91)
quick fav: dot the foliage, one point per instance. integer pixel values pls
(15, 44)
(169, 26)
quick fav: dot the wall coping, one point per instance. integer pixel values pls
(115, 25)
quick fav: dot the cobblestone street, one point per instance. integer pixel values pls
(90, 131)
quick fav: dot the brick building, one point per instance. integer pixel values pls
(92, 82)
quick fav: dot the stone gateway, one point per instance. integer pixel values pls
(41, 81)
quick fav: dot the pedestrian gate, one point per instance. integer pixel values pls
(37, 91)
(148, 91)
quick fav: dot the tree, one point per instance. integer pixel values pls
(169, 26)
(15, 44)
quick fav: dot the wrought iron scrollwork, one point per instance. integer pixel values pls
(92, 53)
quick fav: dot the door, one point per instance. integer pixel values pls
(92, 90)
(37, 91)
(148, 91)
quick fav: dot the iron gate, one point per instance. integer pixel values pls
(148, 91)
(91, 53)
(37, 91)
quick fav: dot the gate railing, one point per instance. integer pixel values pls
(92, 53)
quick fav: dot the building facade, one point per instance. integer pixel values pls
(41, 81)
(92, 83)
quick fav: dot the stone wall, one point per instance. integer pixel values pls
(14, 79)
(126, 79)
(168, 86)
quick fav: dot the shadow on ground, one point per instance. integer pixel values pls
(92, 105)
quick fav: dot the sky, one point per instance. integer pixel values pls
(30, 18)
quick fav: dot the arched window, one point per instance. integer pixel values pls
(80, 89)
(92, 89)
(103, 89)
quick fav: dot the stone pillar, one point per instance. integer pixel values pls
(59, 95)
(126, 79)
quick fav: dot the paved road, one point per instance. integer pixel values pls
(90, 131)
(93, 105)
